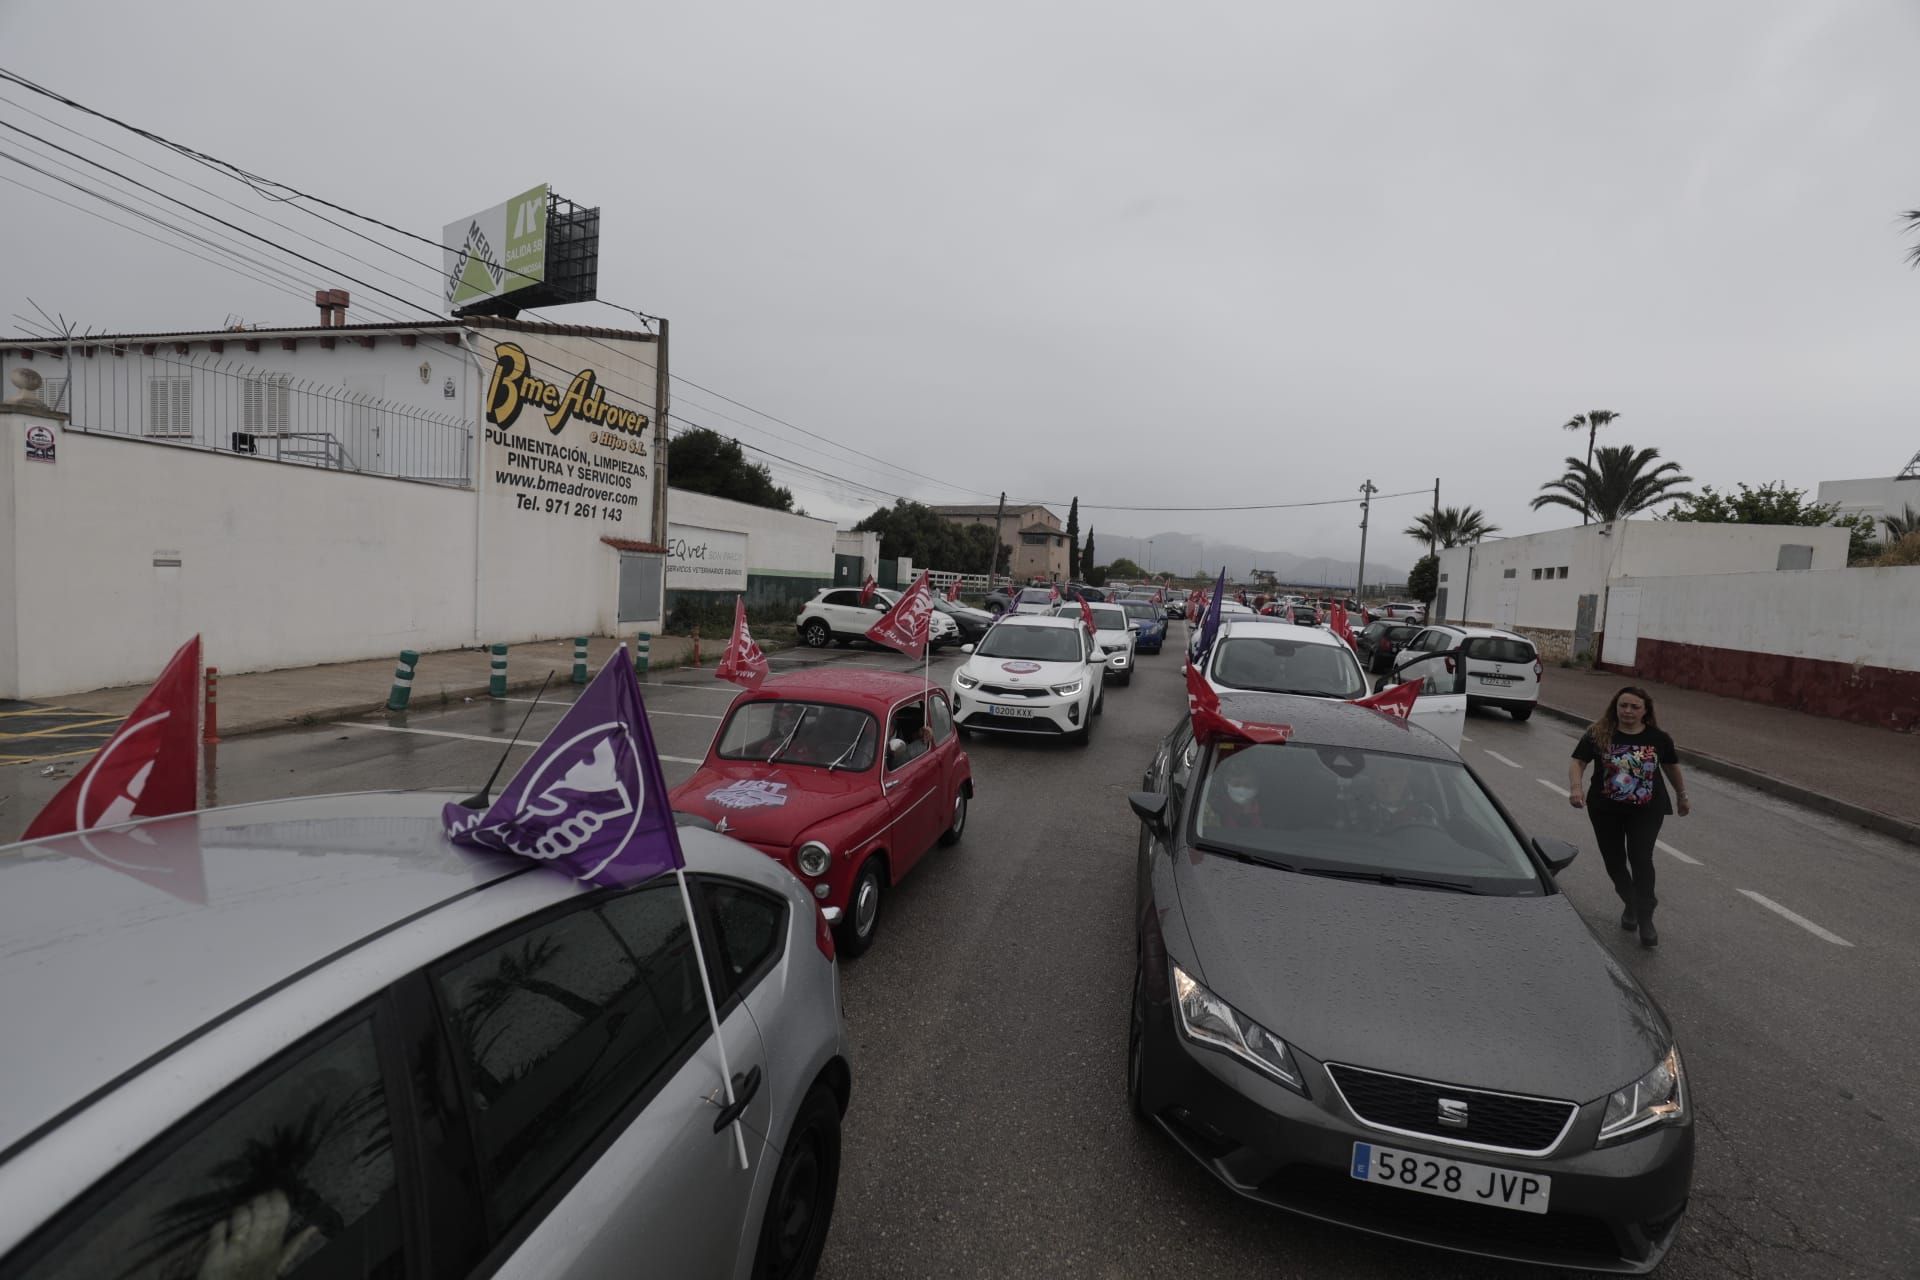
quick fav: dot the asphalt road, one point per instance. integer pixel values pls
(989, 1133)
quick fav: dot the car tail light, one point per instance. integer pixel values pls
(1536, 668)
(823, 934)
(1449, 666)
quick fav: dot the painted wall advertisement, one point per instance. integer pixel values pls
(500, 250)
(705, 559)
(566, 452)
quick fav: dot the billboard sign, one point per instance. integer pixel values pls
(498, 251)
(705, 559)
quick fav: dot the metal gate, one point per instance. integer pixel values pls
(1621, 643)
(641, 577)
(846, 571)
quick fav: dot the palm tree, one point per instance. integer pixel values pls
(1589, 422)
(1625, 482)
(1907, 522)
(1912, 218)
(1454, 527)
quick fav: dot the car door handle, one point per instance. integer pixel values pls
(744, 1087)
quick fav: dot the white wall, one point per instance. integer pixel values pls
(865, 545)
(777, 542)
(1863, 616)
(1674, 548)
(1877, 497)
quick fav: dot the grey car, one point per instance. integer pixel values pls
(1361, 997)
(311, 1037)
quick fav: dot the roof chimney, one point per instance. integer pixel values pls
(323, 299)
(339, 300)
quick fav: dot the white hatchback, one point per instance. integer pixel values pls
(1503, 669)
(1039, 676)
(836, 616)
(1116, 635)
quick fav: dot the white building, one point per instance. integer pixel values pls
(1551, 586)
(1878, 497)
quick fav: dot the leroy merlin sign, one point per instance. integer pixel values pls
(501, 250)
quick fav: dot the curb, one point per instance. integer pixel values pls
(1872, 819)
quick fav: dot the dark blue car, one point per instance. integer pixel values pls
(1151, 619)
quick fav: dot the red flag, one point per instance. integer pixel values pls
(1366, 616)
(1086, 617)
(743, 662)
(1211, 725)
(149, 767)
(1396, 702)
(1337, 623)
(953, 590)
(867, 589)
(906, 625)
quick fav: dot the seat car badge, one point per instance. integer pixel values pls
(1453, 1113)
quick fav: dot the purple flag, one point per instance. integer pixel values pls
(591, 799)
(1210, 626)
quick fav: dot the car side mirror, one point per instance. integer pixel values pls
(1557, 854)
(966, 648)
(1150, 807)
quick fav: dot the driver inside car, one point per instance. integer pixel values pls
(1233, 801)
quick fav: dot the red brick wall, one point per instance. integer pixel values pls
(1867, 695)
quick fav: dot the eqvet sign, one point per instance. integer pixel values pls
(705, 559)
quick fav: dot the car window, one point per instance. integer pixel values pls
(942, 719)
(841, 598)
(1109, 618)
(806, 733)
(1277, 664)
(1142, 611)
(910, 729)
(1497, 649)
(560, 1026)
(1038, 596)
(1344, 810)
(750, 925)
(305, 1160)
(1033, 644)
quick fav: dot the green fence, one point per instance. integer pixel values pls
(770, 598)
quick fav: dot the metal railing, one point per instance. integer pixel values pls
(267, 413)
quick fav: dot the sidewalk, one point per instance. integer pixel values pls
(280, 699)
(1853, 771)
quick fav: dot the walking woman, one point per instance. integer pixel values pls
(1627, 798)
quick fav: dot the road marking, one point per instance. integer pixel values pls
(651, 712)
(48, 711)
(1686, 858)
(59, 730)
(523, 744)
(1551, 786)
(1465, 738)
(1798, 919)
(1511, 764)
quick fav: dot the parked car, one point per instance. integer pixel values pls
(1303, 615)
(1379, 640)
(1150, 625)
(1033, 675)
(1176, 606)
(1503, 669)
(1000, 599)
(802, 771)
(1032, 600)
(1113, 633)
(1081, 591)
(835, 615)
(1361, 997)
(1409, 610)
(308, 1037)
(971, 623)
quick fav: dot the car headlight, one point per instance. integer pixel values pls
(966, 681)
(1068, 689)
(1208, 1020)
(814, 858)
(1657, 1098)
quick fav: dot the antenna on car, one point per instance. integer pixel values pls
(482, 798)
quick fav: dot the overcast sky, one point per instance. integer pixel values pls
(1148, 254)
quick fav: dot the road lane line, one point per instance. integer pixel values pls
(1511, 764)
(651, 711)
(523, 744)
(1686, 858)
(1551, 786)
(1798, 919)
(1465, 738)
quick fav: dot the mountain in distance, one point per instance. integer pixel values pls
(1184, 554)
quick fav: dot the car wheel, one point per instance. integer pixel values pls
(816, 633)
(1126, 679)
(1521, 713)
(953, 832)
(1137, 1046)
(996, 609)
(800, 1204)
(863, 910)
(1099, 704)
(1085, 735)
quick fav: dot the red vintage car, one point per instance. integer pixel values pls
(801, 771)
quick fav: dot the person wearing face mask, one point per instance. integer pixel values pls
(1628, 798)
(1233, 805)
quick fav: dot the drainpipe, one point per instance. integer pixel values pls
(479, 452)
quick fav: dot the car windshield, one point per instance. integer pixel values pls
(1498, 649)
(1108, 618)
(1141, 611)
(1276, 664)
(1035, 644)
(1303, 613)
(1367, 814)
(810, 733)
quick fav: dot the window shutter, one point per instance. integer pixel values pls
(169, 406)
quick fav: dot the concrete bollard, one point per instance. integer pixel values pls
(497, 678)
(210, 727)
(642, 653)
(403, 680)
(579, 659)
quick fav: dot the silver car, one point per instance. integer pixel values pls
(311, 1037)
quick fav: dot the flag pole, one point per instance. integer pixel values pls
(713, 1014)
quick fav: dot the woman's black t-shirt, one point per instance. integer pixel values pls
(1627, 774)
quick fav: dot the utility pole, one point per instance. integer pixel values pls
(1367, 491)
(1434, 528)
(998, 517)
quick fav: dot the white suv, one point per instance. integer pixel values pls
(836, 616)
(1039, 676)
(1115, 634)
(1503, 669)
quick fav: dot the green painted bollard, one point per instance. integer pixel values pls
(642, 653)
(497, 680)
(579, 659)
(403, 680)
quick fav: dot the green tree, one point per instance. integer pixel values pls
(704, 461)
(1912, 218)
(1775, 503)
(920, 533)
(1622, 481)
(1898, 527)
(1127, 569)
(1423, 580)
(1589, 422)
(1456, 527)
(1088, 563)
(1073, 538)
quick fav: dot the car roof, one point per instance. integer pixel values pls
(1329, 722)
(102, 970)
(840, 684)
(1285, 630)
